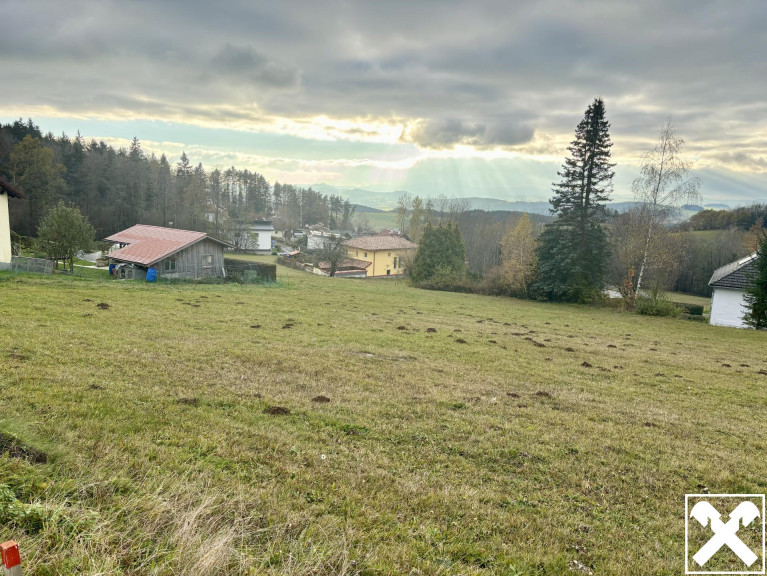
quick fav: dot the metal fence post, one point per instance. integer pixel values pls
(11, 558)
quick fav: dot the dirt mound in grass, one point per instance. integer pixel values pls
(277, 411)
(321, 399)
(103, 306)
(188, 401)
(17, 449)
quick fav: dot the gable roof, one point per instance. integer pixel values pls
(348, 263)
(149, 244)
(735, 274)
(374, 243)
(10, 190)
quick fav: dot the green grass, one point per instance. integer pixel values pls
(684, 298)
(433, 456)
(380, 220)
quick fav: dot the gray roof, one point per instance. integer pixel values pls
(736, 274)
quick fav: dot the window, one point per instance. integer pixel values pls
(366, 254)
(207, 261)
(396, 261)
(169, 265)
(388, 272)
(389, 254)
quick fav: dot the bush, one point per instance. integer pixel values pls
(657, 307)
(693, 309)
(242, 271)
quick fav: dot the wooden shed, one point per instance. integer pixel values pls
(171, 252)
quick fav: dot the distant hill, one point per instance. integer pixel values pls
(360, 208)
(375, 202)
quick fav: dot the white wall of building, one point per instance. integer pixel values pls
(5, 234)
(264, 240)
(728, 308)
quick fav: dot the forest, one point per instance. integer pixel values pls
(117, 188)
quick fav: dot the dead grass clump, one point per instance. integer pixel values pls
(188, 401)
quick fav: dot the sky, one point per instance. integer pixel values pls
(475, 98)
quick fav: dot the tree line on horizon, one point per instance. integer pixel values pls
(117, 188)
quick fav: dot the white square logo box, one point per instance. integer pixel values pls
(706, 511)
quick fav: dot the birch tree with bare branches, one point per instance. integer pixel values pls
(663, 184)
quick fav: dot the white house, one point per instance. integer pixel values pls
(6, 191)
(261, 234)
(728, 305)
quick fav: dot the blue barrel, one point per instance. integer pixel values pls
(111, 269)
(151, 274)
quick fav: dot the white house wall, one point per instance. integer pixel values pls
(728, 308)
(5, 234)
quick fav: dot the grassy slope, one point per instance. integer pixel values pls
(433, 455)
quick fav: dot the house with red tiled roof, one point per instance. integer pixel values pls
(171, 252)
(6, 191)
(386, 254)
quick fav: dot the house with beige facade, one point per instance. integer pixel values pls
(387, 254)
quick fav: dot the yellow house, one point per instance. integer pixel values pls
(387, 254)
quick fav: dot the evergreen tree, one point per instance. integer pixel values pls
(441, 254)
(573, 250)
(756, 293)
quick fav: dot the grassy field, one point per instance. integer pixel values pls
(335, 426)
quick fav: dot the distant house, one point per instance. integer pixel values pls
(348, 268)
(316, 239)
(261, 234)
(6, 191)
(728, 304)
(386, 254)
(173, 253)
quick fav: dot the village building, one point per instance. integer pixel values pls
(347, 268)
(170, 252)
(6, 253)
(386, 254)
(729, 283)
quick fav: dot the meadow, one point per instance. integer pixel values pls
(326, 426)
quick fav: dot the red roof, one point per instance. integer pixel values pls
(149, 244)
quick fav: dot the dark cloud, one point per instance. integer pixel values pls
(448, 132)
(484, 73)
(246, 63)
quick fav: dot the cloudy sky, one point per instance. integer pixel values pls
(476, 98)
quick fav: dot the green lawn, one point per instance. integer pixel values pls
(463, 434)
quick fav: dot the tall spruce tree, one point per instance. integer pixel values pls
(756, 293)
(573, 250)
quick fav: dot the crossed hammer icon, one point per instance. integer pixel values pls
(725, 534)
